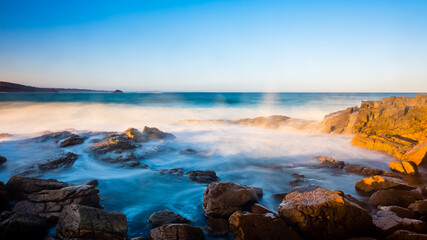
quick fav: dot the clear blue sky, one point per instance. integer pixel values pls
(216, 45)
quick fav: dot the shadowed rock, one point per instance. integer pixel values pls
(22, 227)
(166, 217)
(387, 222)
(2, 159)
(117, 143)
(4, 195)
(305, 188)
(172, 171)
(72, 140)
(247, 226)
(406, 235)
(366, 171)
(419, 207)
(325, 214)
(176, 232)
(397, 197)
(202, 176)
(83, 222)
(20, 187)
(55, 136)
(399, 211)
(61, 161)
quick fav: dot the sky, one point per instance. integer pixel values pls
(188, 45)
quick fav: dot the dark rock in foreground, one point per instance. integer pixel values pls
(387, 222)
(176, 232)
(166, 217)
(247, 226)
(83, 222)
(202, 176)
(20, 187)
(22, 227)
(406, 235)
(49, 203)
(72, 140)
(4, 195)
(325, 214)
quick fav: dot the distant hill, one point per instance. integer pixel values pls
(14, 87)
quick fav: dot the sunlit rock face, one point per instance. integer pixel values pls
(396, 125)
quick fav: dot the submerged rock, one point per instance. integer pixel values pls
(83, 222)
(325, 214)
(405, 167)
(176, 232)
(72, 140)
(222, 199)
(20, 187)
(397, 197)
(247, 225)
(23, 227)
(49, 203)
(172, 171)
(375, 183)
(166, 217)
(188, 151)
(202, 176)
(2, 159)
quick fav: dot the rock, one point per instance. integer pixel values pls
(419, 207)
(5, 135)
(399, 211)
(134, 164)
(296, 181)
(332, 164)
(388, 222)
(116, 143)
(279, 196)
(55, 136)
(406, 235)
(405, 167)
(326, 159)
(23, 227)
(20, 187)
(176, 232)
(217, 226)
(259, 192)
(48, 204)
(64, 161)
(118, 91)
(222, 199)
(188, 151)
(139, 238)
(363, 205)
(4, 195)
(83, 222)
(395, 197)
(134, 134)
(305, 188)
(92, 182)
(361, 170)
(72, 140)
(418, 154)
(149, 134)
(325, 214)
(2, 159)
(259, 209)
(297, 175)
(375, 183)
(246, 226)
(166, 217)
(341, 122)
(172, 171)
(202, 176)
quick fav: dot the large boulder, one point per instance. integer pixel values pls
(20, 187)
(404, 167)
(222, 199)
(22, 227)
(399, 211)
(396, 197)
(325, 214)
(149, 134)
(247, 226)
(375, 183)
(166, 217)
(72, 140)
(4, 195)
(83, 222)
(387, 222)
(176, 232)
(49, 203)
(202, 176)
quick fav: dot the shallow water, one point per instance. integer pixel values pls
(251, 156)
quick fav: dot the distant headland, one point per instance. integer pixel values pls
(14, 87)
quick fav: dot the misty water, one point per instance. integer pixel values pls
(246, 155)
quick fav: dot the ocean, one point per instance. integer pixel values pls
(247, 155)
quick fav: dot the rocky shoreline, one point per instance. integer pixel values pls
(36, 208)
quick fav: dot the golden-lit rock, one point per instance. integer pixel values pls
(405, 167)
(375, 183)
(395, 125)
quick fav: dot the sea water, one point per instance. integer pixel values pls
(247, 155)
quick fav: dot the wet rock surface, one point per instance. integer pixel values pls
(247, 225)
(202, 176)
(20, 187)
(177, 232)
(166, 217)
(325, 214)
(83, 222)
(60, 161)
(72, 140)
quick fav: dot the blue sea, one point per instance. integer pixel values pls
(247, 155)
